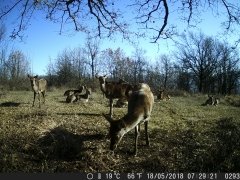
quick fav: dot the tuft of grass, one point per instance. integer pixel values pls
(233, 100)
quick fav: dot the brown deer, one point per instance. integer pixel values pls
(39, 87)
(114, 90)
(74, 91)
(140, 107)
(163, 95)
(79, 97)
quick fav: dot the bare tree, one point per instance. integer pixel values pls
(184, 78)
(117, 64)
(92, 50)
(3, 54)
(197, 53)
(228, 69)
(17, 65)
(108, 56)
(51, 73)
(166, 69)
(2, 32)
(212, 65)
(69, 68)
(139, 65)
(14, 69)
(105, 18)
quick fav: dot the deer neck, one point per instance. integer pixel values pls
(103, 87)
(128, 122)
(35, 85)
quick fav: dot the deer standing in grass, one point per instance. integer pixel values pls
(114, 90)
(140, 107)
(39, 87)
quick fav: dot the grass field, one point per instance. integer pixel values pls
(61, 137)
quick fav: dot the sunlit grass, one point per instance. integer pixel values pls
(61, 137)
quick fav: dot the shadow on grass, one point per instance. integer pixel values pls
(214, 150)
(80, 114)
(60, 144)
(63, 102)
(24, 116)
(233, 101)
(226, 155)
(9, 104)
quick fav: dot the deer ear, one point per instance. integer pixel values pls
(96, 76)
(108, 118)
(36, 76)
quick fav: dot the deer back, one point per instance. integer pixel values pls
(117, 90)
(141, 101)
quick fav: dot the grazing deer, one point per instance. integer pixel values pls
(39, 87)
(163, 95)
(114, 90)
(74, 91)
(211, 101)
(139, 110)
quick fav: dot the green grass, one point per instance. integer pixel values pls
(61, 137)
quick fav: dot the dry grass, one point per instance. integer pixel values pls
(61, 137)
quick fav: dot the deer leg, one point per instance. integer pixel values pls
(43, 95)
(146, 133)
(39, 99)
(34, 96)
(136, 139)
(111, 106)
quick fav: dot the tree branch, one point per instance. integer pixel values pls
(164, 22)
(231, 17)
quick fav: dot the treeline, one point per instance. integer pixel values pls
(199, 64)
(13, 70)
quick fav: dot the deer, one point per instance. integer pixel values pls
(114, 90)
(79, 97)
(39, 87)
(140, 106)
(84, 97)
(163, 95)
(71, 98)
(74, 91)
(211, 101)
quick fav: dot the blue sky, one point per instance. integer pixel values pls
(43, 41)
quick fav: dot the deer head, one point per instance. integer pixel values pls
(115, 132)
